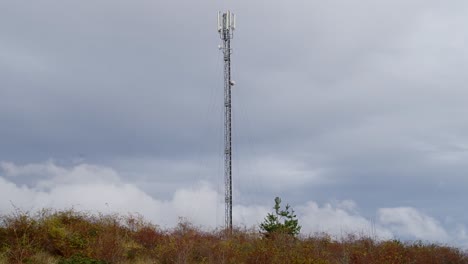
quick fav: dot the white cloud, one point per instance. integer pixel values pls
(339, 220)
(97, 188)
(407, 221)
(44, 169)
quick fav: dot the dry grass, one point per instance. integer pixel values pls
(70, 237)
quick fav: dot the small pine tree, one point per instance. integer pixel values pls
(281, 221)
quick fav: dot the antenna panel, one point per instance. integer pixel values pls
(233, 21)
(228, 19)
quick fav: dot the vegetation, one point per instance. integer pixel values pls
(71, 237)
(281, 221)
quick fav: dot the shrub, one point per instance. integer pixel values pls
(19, 236)
(70, 237)
(281, 221)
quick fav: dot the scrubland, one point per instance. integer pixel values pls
(72, 237)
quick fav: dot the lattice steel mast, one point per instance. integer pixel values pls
(226, 26)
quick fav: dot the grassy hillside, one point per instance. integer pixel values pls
(71, 237)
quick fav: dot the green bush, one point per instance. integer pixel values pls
(280, 222)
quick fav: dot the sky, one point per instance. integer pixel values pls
(353, 112)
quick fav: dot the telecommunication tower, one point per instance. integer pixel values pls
(226, 26)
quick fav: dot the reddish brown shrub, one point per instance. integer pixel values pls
(115, 239)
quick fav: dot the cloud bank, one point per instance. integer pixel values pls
(101, 189)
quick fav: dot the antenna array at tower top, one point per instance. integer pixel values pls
(226, 21)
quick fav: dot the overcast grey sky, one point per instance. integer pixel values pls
(354, 112)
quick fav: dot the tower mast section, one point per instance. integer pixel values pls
(226, 26)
